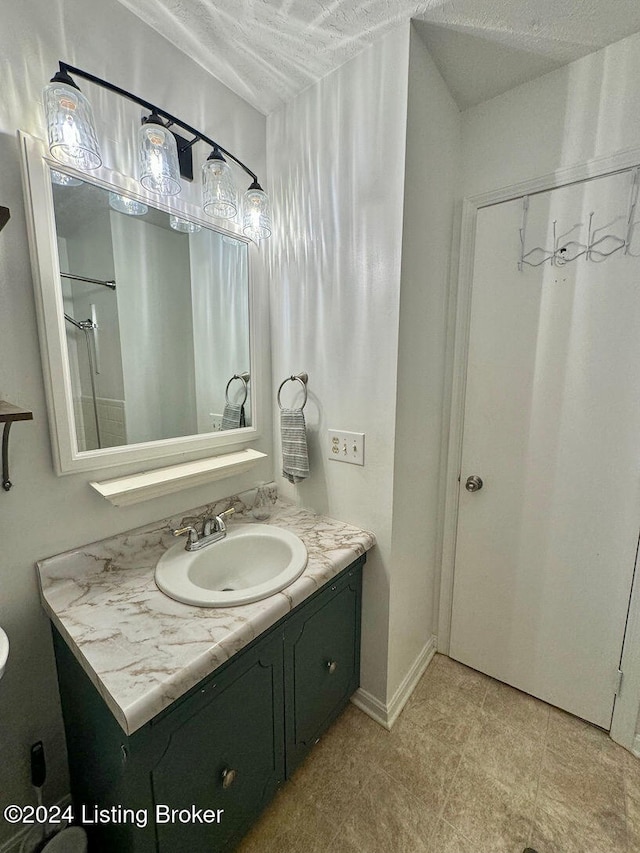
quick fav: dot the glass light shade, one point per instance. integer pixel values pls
(219, 193)
(256, 214)
(184, 225)
(63, 180)
(127, 205)
(158, 159)
(72, 135)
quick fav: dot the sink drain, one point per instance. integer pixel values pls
(227, 589)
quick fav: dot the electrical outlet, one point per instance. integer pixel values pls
(346, 446)
(216, 422)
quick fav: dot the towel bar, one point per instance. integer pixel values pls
(302, 378)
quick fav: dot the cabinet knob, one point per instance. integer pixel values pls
(331, 666)
(228, 777)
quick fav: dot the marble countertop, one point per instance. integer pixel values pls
(141, 649)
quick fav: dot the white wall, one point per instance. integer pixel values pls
(431, 177)
(590, 108)
(586, 109)
(44, 514)
(336, 166)
(359, 293)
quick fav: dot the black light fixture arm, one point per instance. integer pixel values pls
(198, 136)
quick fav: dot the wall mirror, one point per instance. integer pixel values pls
(145, 319)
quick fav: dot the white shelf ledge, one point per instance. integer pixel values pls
(163, 481)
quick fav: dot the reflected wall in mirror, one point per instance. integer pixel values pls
(156, 314)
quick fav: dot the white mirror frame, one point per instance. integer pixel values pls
(41, 226)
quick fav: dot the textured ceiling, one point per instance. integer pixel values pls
(267, 51)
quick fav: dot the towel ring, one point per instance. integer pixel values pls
(244, 378)
(302, 378)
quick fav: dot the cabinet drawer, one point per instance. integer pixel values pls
(322, 664)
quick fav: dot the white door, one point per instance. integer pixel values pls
(546, 548)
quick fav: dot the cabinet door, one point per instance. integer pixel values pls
(225, 753)
(322, 664)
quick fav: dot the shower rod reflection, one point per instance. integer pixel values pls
(110, 283)
(88, 327)
(85, 325)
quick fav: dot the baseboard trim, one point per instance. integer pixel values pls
(386, 715)
(371, 706)
(409, 682)
(13, 844)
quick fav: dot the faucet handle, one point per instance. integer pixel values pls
(193, 535)
(220, 519)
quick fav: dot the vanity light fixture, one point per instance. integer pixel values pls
(256, 213)
(183, 225)
(219, 193)
(158, 157)
(72, 136)
(127, 205)
(164, 156)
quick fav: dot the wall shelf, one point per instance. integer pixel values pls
(163, 481)
(8, 415)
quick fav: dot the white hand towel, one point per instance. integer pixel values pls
(295, 455)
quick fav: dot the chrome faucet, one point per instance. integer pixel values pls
(214, 529)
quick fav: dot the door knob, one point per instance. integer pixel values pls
(473, 484)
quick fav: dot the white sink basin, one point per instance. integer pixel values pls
(4, 651)
(252, 562)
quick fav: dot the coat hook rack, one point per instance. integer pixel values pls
(596, 249)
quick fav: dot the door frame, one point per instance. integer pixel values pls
(627, 703)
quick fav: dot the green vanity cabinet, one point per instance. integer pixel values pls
(227, 744)
(321, 663)
(221, 747)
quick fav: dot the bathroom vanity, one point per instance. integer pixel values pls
(220, 706)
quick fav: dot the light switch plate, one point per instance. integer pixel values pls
(346, 446)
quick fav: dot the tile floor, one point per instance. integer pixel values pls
(471, 766)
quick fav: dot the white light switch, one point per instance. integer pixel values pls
(346, 446)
